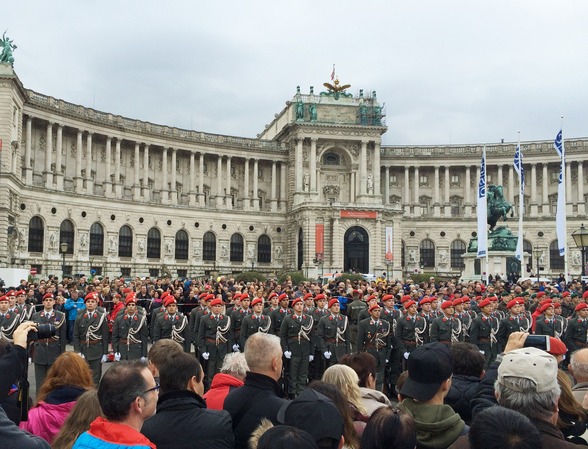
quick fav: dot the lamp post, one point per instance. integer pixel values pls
(581, 239)
(537, 252)
(63, 250)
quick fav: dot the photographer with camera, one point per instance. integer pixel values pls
(12, 367)
(52, 338)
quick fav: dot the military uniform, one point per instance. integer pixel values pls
(576, 335)
(172, 326)
(465, 321)
(9, 321)
(91, 339)
(354, 310)
(130, 335)
(296, 337)
(333, 337)
(410, 332)
(254, 323)
(445, 330)
(373, 336)
(26, 311)
(196, 315)
(45, 351)
(237, 317)
(214, 338)
(483, 335)
(554, 327)
(277, 316)
(317, 366)
(507, 326)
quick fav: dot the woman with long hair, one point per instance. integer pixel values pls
(389, 428)
(66, 380)
(572, 418)
(86, 410)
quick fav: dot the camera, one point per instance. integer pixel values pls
(45, 330)
(538, 341)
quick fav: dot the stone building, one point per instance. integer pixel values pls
(316, 191)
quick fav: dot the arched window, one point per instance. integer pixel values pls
(331, 159)
(66, 235)
(125, 242)
(427, 253)
(153, 244)
(96, 240)
(36, 235)
(528, 248)
(556, 262)
(458, 247)
(236, 248)
(182, 245)
(209, 246)
(264, 249)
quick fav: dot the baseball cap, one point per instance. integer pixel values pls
(314, 413)
(529, 363)
(428, 367)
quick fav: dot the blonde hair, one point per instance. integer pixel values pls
(346, 379)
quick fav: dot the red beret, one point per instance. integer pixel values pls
(283, 296)
(164, 295)
(202, 295)
(446, 304)
(46, 296)
(564, 294)
(209, 297)
(236, 296)
(514, 302)
(296, 301)
(319, 296)
(540, 294)
(91, 295)
(374, 306)
(127, 290)
(272, 294)
(387, 298)
(556, 346)
(546, 301)
(408, 304)
(456, 302)
(255, 301)
(333, 302)
(3, 298)
(544, 307)
(581, 306)
(493, 298)
(216, 302)
(484, 303)
(426, 300)
(557, 305)
(308, 295)
(21, 292)
(245, 297)
(169, 300)
(130, 299)
(585, 295)
(405, 298)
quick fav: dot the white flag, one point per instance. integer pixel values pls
(560, 217)
(518, 165)
(482, 210)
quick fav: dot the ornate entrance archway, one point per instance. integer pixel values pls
(356, 250)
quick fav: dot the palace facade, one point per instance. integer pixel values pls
(86, 190)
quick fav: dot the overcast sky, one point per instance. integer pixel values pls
(449, 72)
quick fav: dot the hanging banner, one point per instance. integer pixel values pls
(359, 214)
(389, 256)
(320, 241)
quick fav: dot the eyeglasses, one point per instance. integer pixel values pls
(155, 388)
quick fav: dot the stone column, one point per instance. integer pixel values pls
(417, 193)
(174, 187)
(298, 161)
(107, 180)
(117, 183)
(447, 204)
(387, 185)
(192, 194)
(436, 199)
(58, 160)
(164, 184)
(406, 198)
(534, 205)
(376, 170)
(468, 191)
(511, 185)
(500, 180)
(145, 189)
(246, 199)
(28, 144)
(48, 150)
(136, 185)
(89, 178)
(219, 182)
(581, 202)
(283, 185)
(228, 196)
(255, 195)
(363, 168)
(273, 199)
(313, 141)
(201, 180)
(79, 182)
(545, 191)
(569, 192)
(353, 187)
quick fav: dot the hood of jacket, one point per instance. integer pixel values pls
(225, 380)
(438, 426)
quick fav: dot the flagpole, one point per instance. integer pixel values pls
(487, 248)
(565, 234)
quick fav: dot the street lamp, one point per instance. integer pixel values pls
(537, 253)
(63, 250)
(581, 239)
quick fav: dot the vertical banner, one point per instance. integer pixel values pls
(518, 165)
(389, 256)
(482, 210)
(320, 242)
(560, 215)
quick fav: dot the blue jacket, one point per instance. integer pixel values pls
(109, 435)
(72, 307)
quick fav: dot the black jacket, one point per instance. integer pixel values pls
(461, 393)
(183, 422)
(260, 397)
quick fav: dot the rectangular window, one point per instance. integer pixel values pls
(154, 272)
(97, 270)
(454, 179)
(182, 273)
(423, 180)
(125, 271)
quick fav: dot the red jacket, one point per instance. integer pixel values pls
(221, 385)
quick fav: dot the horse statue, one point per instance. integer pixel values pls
(497, 206)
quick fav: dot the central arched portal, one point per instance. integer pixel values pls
(356, 250)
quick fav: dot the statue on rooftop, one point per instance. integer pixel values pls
(6, 46)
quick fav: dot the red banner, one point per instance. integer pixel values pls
(371, 214)
(320, 239)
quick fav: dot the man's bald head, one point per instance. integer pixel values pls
(579, 365)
